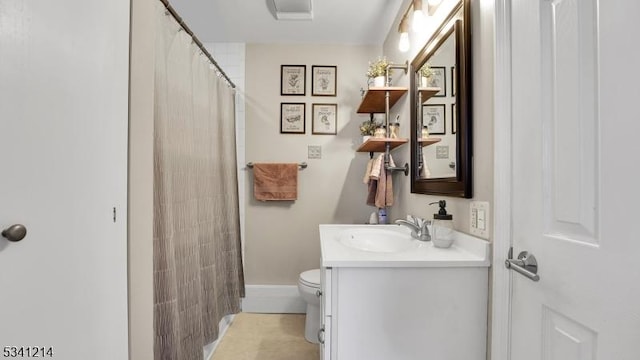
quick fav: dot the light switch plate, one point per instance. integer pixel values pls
(314, 152)
(479, 221)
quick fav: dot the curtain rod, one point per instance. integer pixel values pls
(196, 40)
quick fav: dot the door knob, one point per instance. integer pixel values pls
(15, 232)
(526, 264)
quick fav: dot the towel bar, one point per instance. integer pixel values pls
(302, 165)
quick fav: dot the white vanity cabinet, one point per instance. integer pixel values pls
(375, 308)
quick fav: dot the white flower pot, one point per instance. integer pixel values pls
(424, 81)
(365, 138)
(378, 81)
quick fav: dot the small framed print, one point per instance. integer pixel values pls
(292, 79)
(453, 81)
(323, 80)
(292, 119)
(439, 80)
(433, 116)
(324, 119)
(442, 152)
(454, 117)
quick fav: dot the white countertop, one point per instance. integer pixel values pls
(466, 251)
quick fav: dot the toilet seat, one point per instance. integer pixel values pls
(310, 278)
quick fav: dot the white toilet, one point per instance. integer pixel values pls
(309, 288)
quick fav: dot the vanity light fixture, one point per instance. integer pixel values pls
(404, 44)
(418, 21)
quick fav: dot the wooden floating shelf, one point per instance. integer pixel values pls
(378, 144)
(373, 100)
(428, 92)
(428, 141)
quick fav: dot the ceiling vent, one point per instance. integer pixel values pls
(293, 9)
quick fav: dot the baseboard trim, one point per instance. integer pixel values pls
(273, 299)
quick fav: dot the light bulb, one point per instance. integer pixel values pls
(404, 44)
(403, 29)
(418, 22)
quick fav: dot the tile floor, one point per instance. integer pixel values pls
(266, 337)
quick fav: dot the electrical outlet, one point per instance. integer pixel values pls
(479, 220)
(314, 152)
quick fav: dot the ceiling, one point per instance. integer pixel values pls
(253, 21)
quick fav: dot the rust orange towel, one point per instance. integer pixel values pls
(275, 181)
(380, 192)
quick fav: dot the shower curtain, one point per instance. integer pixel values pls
(198, 275)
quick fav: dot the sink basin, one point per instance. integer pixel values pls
(376, 240)
(391, 246)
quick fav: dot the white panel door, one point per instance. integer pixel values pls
(575, 173)
(63, 149)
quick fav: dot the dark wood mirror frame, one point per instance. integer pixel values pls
(461, 185)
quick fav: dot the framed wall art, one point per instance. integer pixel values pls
(324, 119)
(323, 80)
(292, 118)
(439, 80)
(433, 116)
(293, 79)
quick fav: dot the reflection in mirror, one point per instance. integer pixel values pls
(440, 115)
(438, 158)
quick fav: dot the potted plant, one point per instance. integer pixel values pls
(425, 73)
(368, 128)
(377, 71)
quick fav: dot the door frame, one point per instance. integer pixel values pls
(500, 346)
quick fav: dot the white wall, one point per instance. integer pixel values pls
(482, 58)
(282, 238)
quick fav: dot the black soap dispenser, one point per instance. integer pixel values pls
(442, 226)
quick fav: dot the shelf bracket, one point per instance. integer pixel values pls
(404, 67)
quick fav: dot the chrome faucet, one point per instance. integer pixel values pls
(419, 228)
